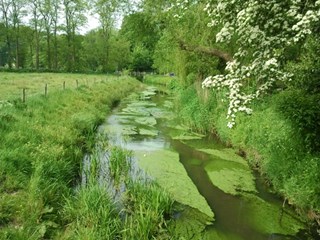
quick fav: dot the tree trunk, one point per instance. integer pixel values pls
(48, 49)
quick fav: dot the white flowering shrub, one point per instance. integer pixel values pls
(259, 31)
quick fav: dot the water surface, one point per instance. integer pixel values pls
(146, 123)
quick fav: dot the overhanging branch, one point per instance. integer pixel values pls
(206, 50)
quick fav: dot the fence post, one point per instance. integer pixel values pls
(64, 85)
(23, 95)
(77, 83)
(46, 90)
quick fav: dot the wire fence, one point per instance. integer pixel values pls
(13, 88)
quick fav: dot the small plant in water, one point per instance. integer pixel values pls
(119, 164)
(146, 206)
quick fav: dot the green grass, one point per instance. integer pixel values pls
(91, 214)
(147, 206)
(41, 150)
(119, 164)
(11, 84)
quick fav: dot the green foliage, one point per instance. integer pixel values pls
(306, 68)
(194, 111)
(164, 56)
(105, 55)
(302, 109)
(141, 59)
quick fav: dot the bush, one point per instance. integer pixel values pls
(303, 110)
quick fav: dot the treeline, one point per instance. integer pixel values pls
(47, 36)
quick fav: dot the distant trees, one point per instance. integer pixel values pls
(45, 35)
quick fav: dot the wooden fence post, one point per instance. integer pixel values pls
(46, 90)
(64, 85)
(23, 95)
(77, 83)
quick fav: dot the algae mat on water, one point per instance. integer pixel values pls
(268, 218)
(231, 174)
(165, 167)
(190, 224)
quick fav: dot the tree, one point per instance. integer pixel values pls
(143, 34)
(16, 16)
(5, 10)
(36, 25)
(55, 18)
(259, 33)
(74, 11)
(107, 11)
(47, 9)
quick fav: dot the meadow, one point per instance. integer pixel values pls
(12, 84)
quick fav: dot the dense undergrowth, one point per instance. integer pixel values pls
(279, 138)
(41, 150)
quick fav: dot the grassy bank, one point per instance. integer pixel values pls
(41, 149)
(269, 138)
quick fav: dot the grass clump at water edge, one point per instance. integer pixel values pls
(141, 211)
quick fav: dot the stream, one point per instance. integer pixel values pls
(218, 192)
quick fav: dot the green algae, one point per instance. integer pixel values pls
(189, 224)
(218, 164)
(168, 104)
(148, 132)
(229, 172)
(227, 154)
(213, 234)
(192, 224)
(165, 167)
(269, 218)
(178, 126)
(124, 130)
(148, 93)
(233, 181)
(149, 121)
(186, 136)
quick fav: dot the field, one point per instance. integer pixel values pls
(12, 84)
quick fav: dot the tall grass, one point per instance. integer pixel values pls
(91, 214)
(147, 206)
(94, 213)
(119, 164)
(42, 146)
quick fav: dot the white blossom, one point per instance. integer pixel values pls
(268, 27)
